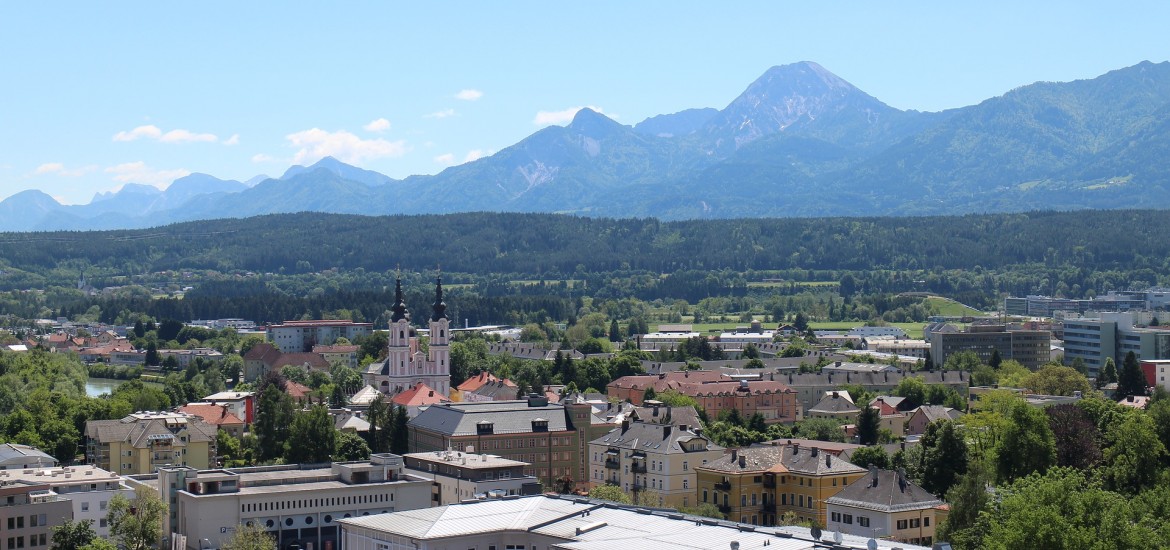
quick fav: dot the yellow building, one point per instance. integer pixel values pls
(146, 441)
(757, 485)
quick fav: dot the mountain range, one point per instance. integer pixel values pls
(799, 141)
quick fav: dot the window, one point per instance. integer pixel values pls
(914, 523)
(686, 483)
(102, 505)
(847, 519)
(926, 521)
(684, 466)
(901, 524)
(704, 495)
(84, 508)
(835, 516)
(863, 521)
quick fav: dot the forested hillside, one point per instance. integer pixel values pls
(556, 244)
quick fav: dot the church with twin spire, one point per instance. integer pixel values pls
(406, 365)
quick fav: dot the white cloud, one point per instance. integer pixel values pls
(139, 172)
(261, 157)
(441, 114)
(316, 143)
(475, 154)
(234, 140)
(564, 116)
(378, 125)
(59, 169)
(151, 131)
(446, 159)
(469, 95)
(184, 136)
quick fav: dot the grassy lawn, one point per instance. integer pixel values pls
(950, 307)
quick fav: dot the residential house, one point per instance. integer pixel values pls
(918, 419)
(885, 504)
(219, 416)
(656, 458)
(757, 485)
(499, 390)
(835, 406)
(31, 511)
(143, 442)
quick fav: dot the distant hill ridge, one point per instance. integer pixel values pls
(799, 141)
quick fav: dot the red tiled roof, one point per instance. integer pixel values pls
(264, 352)
(475, 382)
(335, 349)
(420, 394)
(731, 388)
(212, 414)
(296, 390)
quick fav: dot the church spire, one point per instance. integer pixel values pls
(399, 309)
(438, 309)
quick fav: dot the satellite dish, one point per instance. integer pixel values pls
(871, 544)
(815, 532)
(837, 538)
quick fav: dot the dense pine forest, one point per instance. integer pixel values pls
(536, 267)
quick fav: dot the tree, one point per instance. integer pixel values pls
(821, 429)
(1130, 381)
(610, 492)
(381, 425)
(962, 360)
(1057, 380)
(995, 359)
(869, 422)
(800, 322)
(1159, 412)
(400, 439)
(250, 537)
(944, 456)
(1075, 435)
(1027, 444)
(967, 498)
(1108, 374)
(74, 534)
(871, 456)
(351, 446)
(152, 358)
(1133, 459)
(615, 332)
(913, 390)
(274, 418)
(750, 351)
(312, 438)
(137, 524)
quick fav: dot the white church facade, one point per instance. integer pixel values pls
(406, 365)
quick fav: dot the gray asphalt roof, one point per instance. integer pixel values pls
(891, 493)
(455, 419)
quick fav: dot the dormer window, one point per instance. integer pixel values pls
(485, 427)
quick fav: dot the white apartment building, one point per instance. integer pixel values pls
(463, 475)
(296, 506)
(301, 336)
(89, 490)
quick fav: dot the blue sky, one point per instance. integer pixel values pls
(96, 95)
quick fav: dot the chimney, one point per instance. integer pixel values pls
(666, 432)
(814, 451)
(734, 455)
(625, 425)
(828, 460)
(795, 449)
(874, 481)
(742, 461)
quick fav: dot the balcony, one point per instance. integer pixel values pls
(723, 486)
(724, 509)
(769, 482)
(638, 468)
(613, 464)
(768, 508)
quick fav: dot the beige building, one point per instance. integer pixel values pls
(87, 488)
(146, 441)
(294, 505)
(885, 504)
(301, 336)
(29, 513)
(460, 476)
(653, 454)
